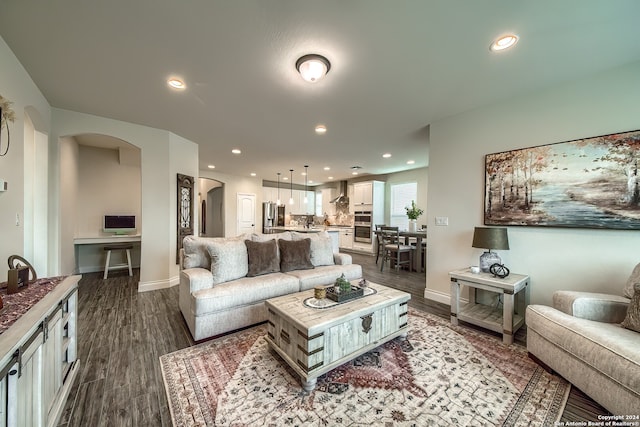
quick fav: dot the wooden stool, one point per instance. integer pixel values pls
(122, 247)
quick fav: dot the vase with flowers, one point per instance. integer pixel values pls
(413, 213)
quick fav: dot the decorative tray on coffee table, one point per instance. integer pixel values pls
(342, 296)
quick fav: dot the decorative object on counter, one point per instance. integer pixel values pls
(413, 213)
(6, 115)
(490, 238)
(474, 269)
(499, 270)
(18, 274)
(363, 283)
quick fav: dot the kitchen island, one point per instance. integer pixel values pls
(334, 232)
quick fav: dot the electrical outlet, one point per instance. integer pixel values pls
(17, 220)
(442, 220)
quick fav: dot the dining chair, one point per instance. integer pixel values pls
(378, 240)
(393, 249)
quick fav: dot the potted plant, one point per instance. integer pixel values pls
(413, 213)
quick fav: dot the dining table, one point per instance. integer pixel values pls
(419, 235)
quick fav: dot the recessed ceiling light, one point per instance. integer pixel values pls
(504, 42)
(176, 83)
(321, 129)
(354, 173)
(236, 151)
(330, 177)
(253, 174)
(284, 178)
(386, 155)
(211, 166)
(327, 168)
(310, 182)
(410, 162)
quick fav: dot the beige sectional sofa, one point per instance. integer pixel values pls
(582, 339)
(225, 281)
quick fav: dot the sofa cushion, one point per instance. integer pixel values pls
(242, 292)
(321, 247)
(295, 255)
(632, 321)
(262, 257)
(229, 260)
(633, 279)
(606, 347)
(196, 253)
(326, 275)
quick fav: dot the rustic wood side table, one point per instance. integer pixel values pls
(514, 289)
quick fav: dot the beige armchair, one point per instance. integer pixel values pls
(581, 339)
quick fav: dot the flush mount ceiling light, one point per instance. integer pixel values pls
(176, 83)
(321, 129)
(313, 67)
(504, 42)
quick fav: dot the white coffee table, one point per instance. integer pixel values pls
(314, 341)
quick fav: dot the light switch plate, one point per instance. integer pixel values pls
(442, 220)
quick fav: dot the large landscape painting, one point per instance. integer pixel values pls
(590, 183)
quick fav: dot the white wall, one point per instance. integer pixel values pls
(163, 154)
(576, 259)
(68, 193)
(17, 87)
(420, 176)
(232, 186)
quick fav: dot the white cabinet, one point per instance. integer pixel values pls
(346, 238)
(362, 194)
(38, 359)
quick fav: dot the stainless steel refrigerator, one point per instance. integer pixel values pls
(269, 213)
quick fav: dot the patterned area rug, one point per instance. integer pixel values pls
(440, 375)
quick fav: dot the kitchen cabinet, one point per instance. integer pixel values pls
(299, 206)
(38, 360)
(346, 238)
(362, 194)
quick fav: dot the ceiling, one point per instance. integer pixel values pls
(396, 67)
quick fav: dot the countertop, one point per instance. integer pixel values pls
(313, 229)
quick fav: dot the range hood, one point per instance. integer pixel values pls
(342, 198)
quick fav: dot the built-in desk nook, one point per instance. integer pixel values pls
(90, 254)
(38, 351)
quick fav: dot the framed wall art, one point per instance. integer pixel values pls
(185, 211)
(585, 183)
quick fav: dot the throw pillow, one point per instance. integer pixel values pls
(633, 279)
(632, 321)
(321, 247)
(295, 255)
(195, 253)
(228, 260)
(263, 257)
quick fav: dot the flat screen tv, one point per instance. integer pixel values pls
(119, 224)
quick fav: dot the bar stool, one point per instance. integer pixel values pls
(121, 247)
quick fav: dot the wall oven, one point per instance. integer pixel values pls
(362, 226)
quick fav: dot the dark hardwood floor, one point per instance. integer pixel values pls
(122, 333)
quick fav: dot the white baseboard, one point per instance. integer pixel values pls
(158, 284)
(440, 297)
(95, 269)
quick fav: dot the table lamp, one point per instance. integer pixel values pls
(490, 238)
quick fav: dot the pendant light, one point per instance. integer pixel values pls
(306, 176)
(278, 201)
(291, 187)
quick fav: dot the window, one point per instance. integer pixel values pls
(401, 197)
